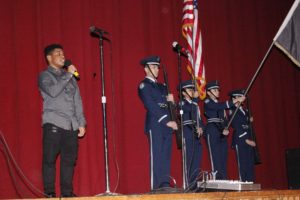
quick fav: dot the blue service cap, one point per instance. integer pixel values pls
(212, 85)
(186, 84)
(150, 60)
(236, 93)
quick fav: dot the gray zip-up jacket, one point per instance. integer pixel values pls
(62, 105)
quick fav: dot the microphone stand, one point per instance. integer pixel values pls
(104, 120)
(183, 149)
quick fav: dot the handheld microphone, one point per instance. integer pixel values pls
(94, 29)
(180, 49)
(67, 64)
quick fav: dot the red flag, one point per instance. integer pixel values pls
(192, 33)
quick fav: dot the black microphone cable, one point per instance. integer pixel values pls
(12, 163)
(11, 170)
(113, 115)
(96, 32)
(99, 32)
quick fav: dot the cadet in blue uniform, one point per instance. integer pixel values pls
(241, 140)
(158, 126)
(216, 134)
(192, 130)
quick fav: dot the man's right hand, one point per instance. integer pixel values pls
(196, 94)
(173, 125)
(225, 132)
(72, 69)
(240, 99)
(250, 142)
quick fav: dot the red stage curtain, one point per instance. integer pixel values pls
(236, 36)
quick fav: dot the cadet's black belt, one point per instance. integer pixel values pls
(215, 120)
(188, 122)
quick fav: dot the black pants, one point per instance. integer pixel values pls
(64, 142)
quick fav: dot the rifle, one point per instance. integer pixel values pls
(257, 159)
(172, 110)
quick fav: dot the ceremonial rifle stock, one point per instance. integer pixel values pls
(172, 110)
(257, 159)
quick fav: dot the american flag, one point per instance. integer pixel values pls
(192, 33)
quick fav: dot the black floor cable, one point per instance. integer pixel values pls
(11, 171)
(193, 186)
(12, 164)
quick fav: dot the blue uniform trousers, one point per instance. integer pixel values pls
(245, 158)
(193, 154)
(160, 142)
(218, 150)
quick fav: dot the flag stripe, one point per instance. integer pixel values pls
(192, 33)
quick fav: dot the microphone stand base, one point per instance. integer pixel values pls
(108, 194)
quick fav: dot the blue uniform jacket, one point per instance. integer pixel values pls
(190, 112)
(214, 111)
(153, 96)
(240, 124)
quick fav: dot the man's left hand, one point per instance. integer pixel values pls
(200, 131)
(170, 98)
(81, 132)
(225, 132)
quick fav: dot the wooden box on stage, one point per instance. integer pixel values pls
(228, 185)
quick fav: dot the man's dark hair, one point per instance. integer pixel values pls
(48, 49)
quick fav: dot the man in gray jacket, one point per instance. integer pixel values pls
(63, 120)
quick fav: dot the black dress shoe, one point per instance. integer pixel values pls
(50, 195)
(69, 195)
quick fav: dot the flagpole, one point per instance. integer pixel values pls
(251, 82)
(283, 25)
